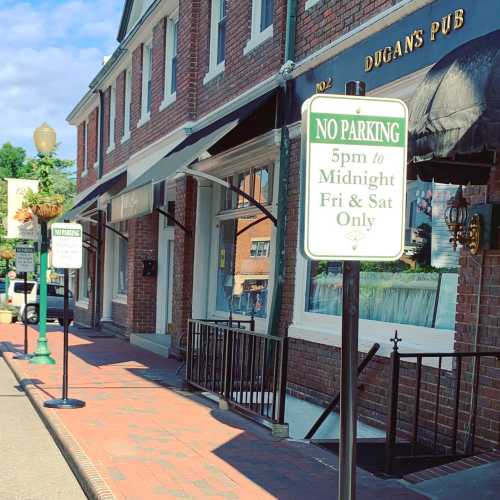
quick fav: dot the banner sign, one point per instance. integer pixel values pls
(67, 245)
(25, 259)
(354, 178)
(18, 225)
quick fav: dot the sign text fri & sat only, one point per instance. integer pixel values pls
(354, 177)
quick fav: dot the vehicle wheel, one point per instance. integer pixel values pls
(31, 315)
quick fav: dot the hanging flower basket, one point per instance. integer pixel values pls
(47, 211)
(23, 215)
(44, 206)
(7, 254)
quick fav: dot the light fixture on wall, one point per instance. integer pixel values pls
(463, 231)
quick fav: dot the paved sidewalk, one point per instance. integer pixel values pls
(141, 437)
(31, 467)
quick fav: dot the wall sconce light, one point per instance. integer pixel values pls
(463, 231)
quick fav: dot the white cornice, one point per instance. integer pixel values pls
(357, 35)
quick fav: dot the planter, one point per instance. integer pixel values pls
(5, 317)
(47, 211)
(7, 254)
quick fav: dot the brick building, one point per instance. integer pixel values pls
(204, 86)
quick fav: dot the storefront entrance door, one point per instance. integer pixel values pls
(165, 278)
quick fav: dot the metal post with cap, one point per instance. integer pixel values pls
(349, 361)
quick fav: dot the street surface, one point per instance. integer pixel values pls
(31, 465)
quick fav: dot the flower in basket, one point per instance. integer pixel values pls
(7, 253)
(23, 215)
(45, 206)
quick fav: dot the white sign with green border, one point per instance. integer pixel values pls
(67, 245)
(25, 259)
(354, 178)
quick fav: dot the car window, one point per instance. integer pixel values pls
(19, 287)
(55, 291)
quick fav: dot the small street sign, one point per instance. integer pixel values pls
(25, 259)
(67, 245)
(354, 177)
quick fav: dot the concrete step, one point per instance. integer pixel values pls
(159, 344)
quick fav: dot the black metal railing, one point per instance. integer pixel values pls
(435, 416)
(245, 368)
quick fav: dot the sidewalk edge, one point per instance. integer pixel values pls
(86, 473)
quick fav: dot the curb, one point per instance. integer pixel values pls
(86, 473)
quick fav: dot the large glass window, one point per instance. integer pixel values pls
(242, 278)
(420, 289)
(171, 40)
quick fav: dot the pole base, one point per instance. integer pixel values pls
(22, 356)
(64, 404)
(42, 359)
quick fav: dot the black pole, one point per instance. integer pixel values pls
(349, 362)
(65, 402)
(65, 322)
(25, 355)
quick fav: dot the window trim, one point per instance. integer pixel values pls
(121, 298)
(214, 68)
(168, 96)
(310, 4)
(147, 76)
(257, 37)
(127, 104)
(85, 148)
(98, 137)
(112, 118)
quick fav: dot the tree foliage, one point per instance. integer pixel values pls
(56, 176)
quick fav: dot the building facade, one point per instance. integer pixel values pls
(207, 86)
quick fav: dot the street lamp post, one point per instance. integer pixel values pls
(45, 142)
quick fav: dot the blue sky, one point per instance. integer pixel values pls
(49, 51)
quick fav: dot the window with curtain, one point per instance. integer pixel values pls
(420, 289)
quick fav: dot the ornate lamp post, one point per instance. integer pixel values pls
(45, 141)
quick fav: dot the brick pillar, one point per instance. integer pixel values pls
(185, 213)
(141, 297)
(478, 319)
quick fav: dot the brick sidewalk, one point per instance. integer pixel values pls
(142, 437)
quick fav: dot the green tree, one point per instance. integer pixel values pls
(12, 161)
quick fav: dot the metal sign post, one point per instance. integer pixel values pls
(25, 263)
(66, 253)
(353, 209)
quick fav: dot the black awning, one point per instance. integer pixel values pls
(457, 108)
(100, 188)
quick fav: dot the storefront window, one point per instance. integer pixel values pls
(256, 182)
(242, 278)
(420, 289)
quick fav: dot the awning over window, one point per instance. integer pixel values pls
(90, 197)
(456, 112)
(132, 202)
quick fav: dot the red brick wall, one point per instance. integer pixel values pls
(185, 213)
(141, 300)
(241, 71)
(330, 19)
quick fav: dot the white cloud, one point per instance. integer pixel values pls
(50, 51)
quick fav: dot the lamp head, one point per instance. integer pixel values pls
(44, 138)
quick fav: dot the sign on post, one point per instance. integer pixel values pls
(25, 259)
(354, 178)
(67, 245)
